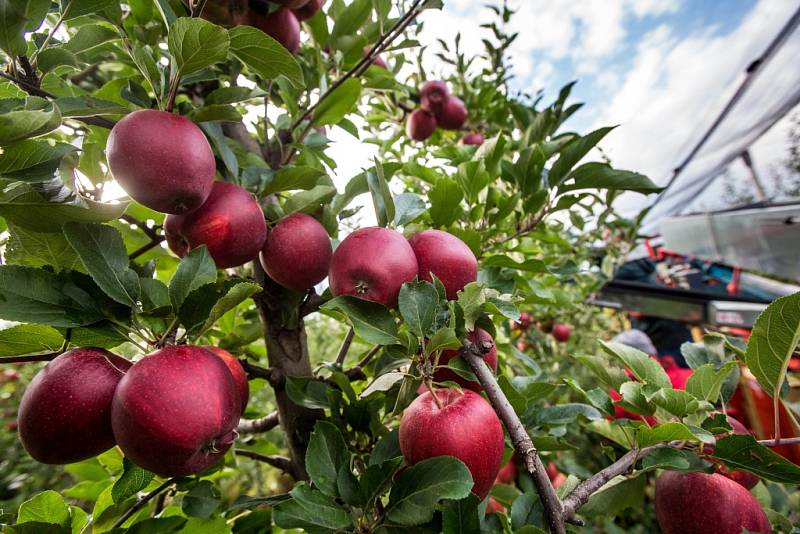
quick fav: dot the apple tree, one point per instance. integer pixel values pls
(203, 331)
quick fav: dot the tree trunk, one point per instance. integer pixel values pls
(287, 351)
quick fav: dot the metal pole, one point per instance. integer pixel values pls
(761, 193)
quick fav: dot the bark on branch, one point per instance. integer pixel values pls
(254, 426)
(554, 516)
(281, 462)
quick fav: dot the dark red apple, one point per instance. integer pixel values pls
(230, 223)
(556, 477)
(12, 425)
(175, 412)
(161, 160)
(237, 372)
(508, 474)
(9, 375)
(561, 332)
(697, 503)
(444, 373)
(433, 95)
(372, 264)
(525, 321)
(309, 10)
(473, 138)
(297, 253)
(453, 114)
(420, 125)
(445, 256)
(65, 413)
(282, 25)
(466, 427)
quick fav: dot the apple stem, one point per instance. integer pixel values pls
(142, 502)
(348, 339)
(430, 387)
(777, 415)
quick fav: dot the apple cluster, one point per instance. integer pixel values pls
(283, 24)
(438, 108)
(173, 412)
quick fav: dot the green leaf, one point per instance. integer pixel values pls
(442, 339)
(530, 265)
(562, 414)
(31, 295)
(573, 152)
(351, 19)
(372, 322)
(408, 207)
(103, 254)
(87, 106)
(90, 36)
(610, 376)
(415, 493)
(12, 27)
(54, 57)
(642, 366)
(133, 480)
(195, 270)
(326, 455)
(202, 500)
(36, 249)
(776, 333)
(78, 8)
(291, 178)
(46, 507)
(417, 304)
(32, 160)
(29, 339)
(461, 515)
(264, 55)
(617, 495)
(309, 201)
(237, 294)
(706, 382)
(603, 176)
(312, 511)
(19, 125)
(445, 198)
(308, 392)
(338, 104)
(471, 299)
(742, 452)
(155, 294)
(677, 402)
(196, 44)
(666, 432)
(381, 196)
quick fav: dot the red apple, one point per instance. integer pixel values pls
(12, 425)
(697, 503)
(175, 412)
(297, 253)
(508, 474)
(433, 95)
(466, 427)
(10, 375)
(420, 125)
(494, 507)
(282, 25)
(473, 138)
(230, 223)
(237, 372)
(309, 10)
(453, 114)
(444, 373)
(161, 160)
(445, 256)
(372, 264)
(561, 332)
(378, 62)
(65, 413)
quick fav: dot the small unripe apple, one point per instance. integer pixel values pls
(561, 332)
(444, 373)
(473, 138)
(453, 114)
(372, 264)
(282, 25)
(445, 256)
(465, 427)
(697, 503)
(175, 412)
(237, 372)
(420, 125)
(161, 160)
(230, 224)
(309, 10)
(433, 95)
(65, 412)
(297, 253)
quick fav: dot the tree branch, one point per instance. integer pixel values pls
(357, 372)
(383, 43)
(29, 358)
(281, 462)
(348, 340)
(154, 242)
(311, 304)
(253, 426)
(273, 376)
(779, 443)
(143, 501)
(553, 512)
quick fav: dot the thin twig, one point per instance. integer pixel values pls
(311, 304)
(357, 372)
(29, 358)
(197, 8)
(142, 501)
(779, 442)
(52, 31)
(149, 232)
(523, 444)
(263, 424)
(348, 340)
(273, 376)
(281, 462)
(384, 41)
(144, 248)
